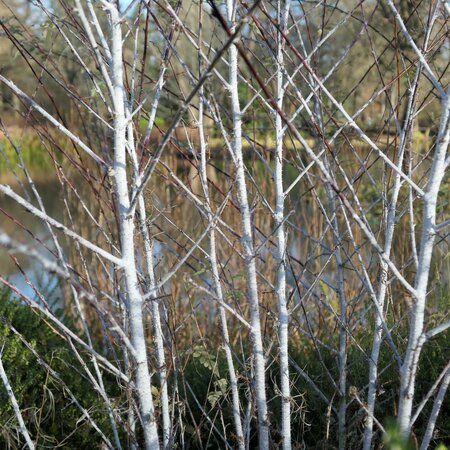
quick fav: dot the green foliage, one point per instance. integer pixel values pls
(33, 154)
(393, 439)
(47, 409)
(441, 447)
(220, 385)
(160, 122)
(206, 372)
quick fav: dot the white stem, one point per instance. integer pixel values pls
(410, 364)
(342, 326)
(247, 242)
(216, 278)
(93, 42)
(384, 269)
(435, 411)
(157, 328)
(135, 299)
(59, 226)
(15, 405)
(75, 139)
(156, 318)
(283, 14)
(429, 394)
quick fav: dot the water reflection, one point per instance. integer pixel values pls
(176, 225)
(25, 228)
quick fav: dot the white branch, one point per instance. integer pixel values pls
(53, 121)
(59, 226)
(15, 405)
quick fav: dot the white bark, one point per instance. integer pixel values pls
(134, 296)
(247, 242)
(340, 290)
(75, 139)
(384, 269)
(342, 427)
(158, 332)
(227, 346)
(417, 316)
(435, 411)
(236, 407)
(283, 14)
(12, 398)
(156, 318)
(124, 281)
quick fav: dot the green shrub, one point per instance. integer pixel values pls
(47, 409)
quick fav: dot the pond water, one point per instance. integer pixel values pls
(176, 222)
(23, 227)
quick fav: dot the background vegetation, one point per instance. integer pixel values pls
(67, 397)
